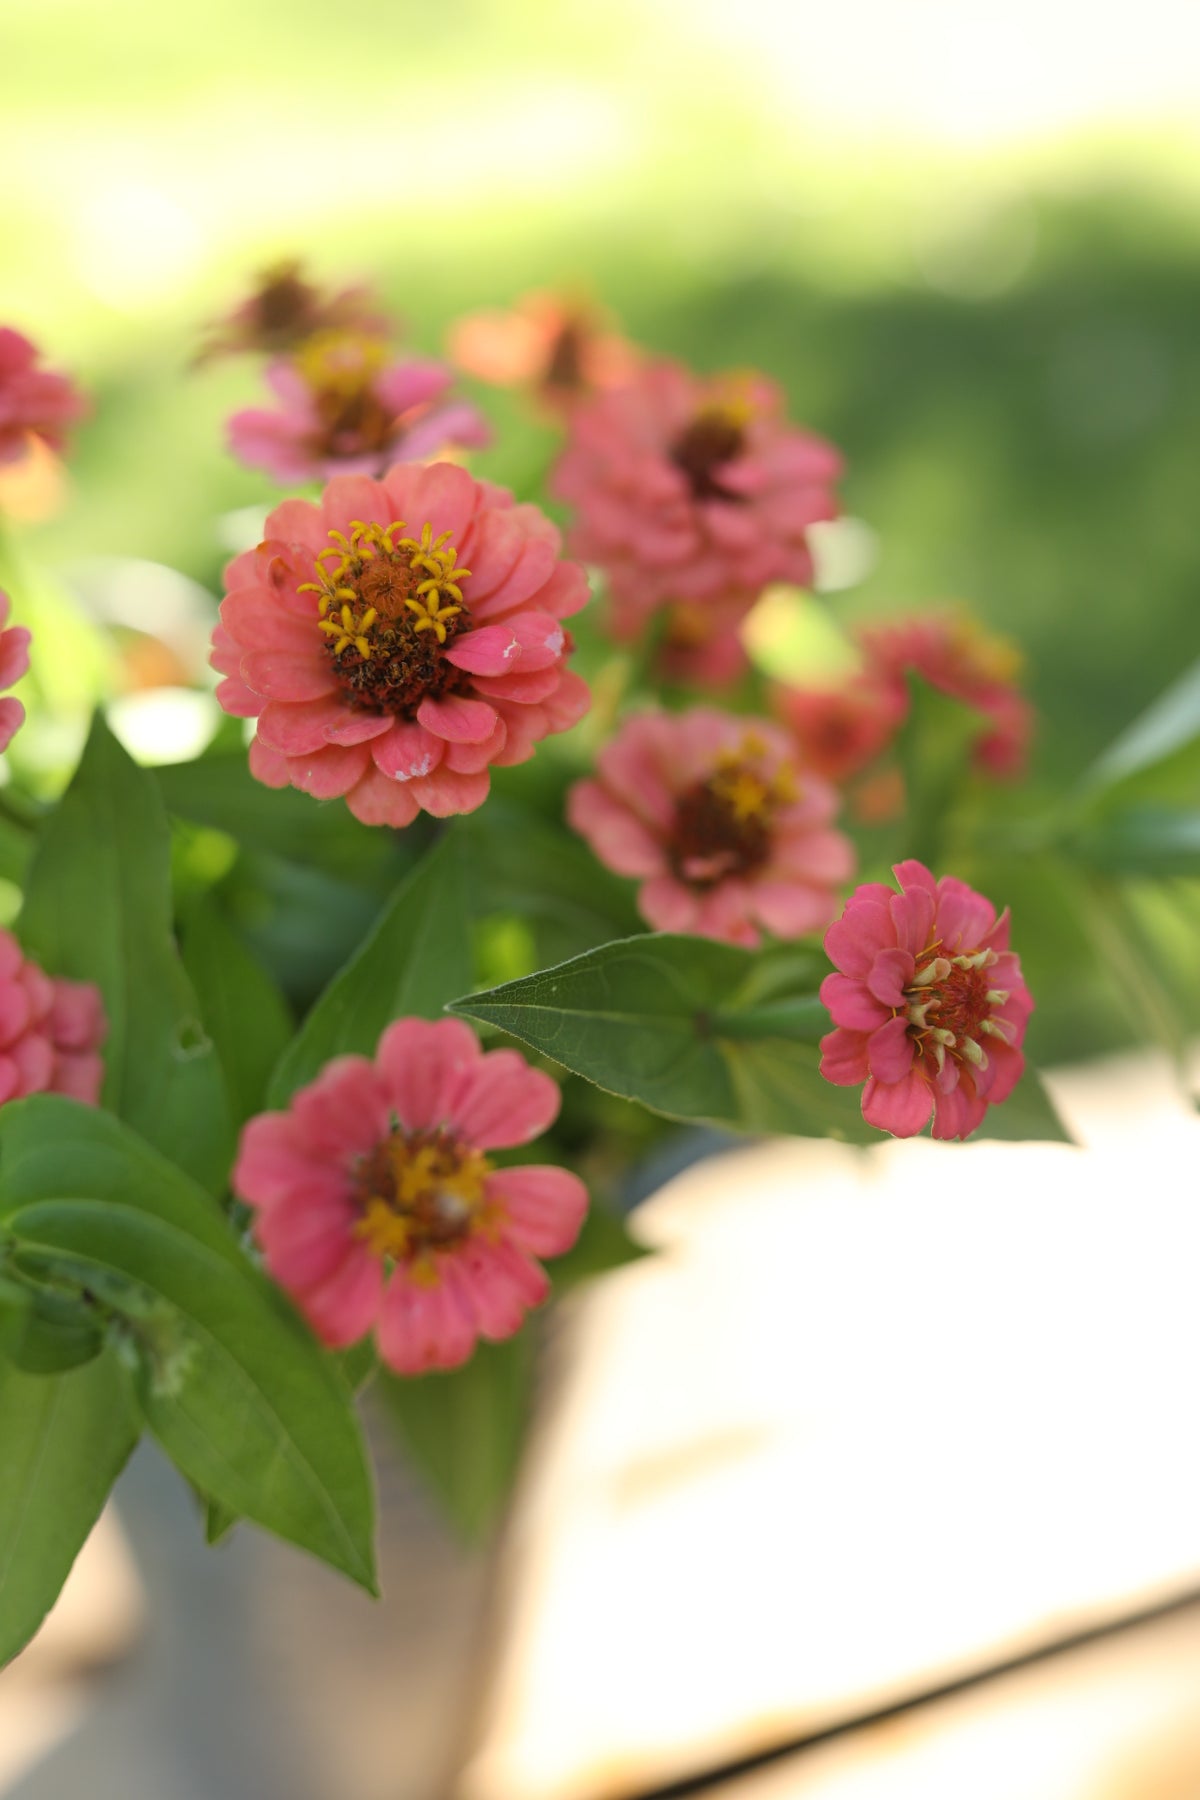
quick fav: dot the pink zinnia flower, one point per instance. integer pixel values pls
(562, 349)
(952, 652)
(930, 1005)
(284, 310)
(397, 638)
(14, 661)
(33, 402)
(345, 409)
(693, 490)
(378, 1205)
(715, 817)
(838, 731)
(50, 1031)
(701, 646)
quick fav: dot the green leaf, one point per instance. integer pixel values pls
(66, 1439)
(98, 908)
(243, 1010)
(695, 1029)
(524, 865)
(1140, 839)
(1169, 726)
(416, 958)
(934, 751)
(230, 1381)
(464, 1428)
(44, 1330)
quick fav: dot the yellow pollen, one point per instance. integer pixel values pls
(341, 362)
(425, 1198)
(747, 792)
(434, 601)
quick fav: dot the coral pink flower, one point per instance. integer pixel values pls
(14, 661)
(562, 349)
(952, 652)
(50, 1031)
(715, 818)
(33, 401)
(284, 310)
(838, 731)
(692, 490)
(379, 1207)
(344, 409)
(397, 638)
(701, 646)
(930, 1005)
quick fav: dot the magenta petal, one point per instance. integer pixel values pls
(844, 1057)
(14, 654)
(544, 1206)
(502, 1101)
(343, 1307)
(891, 972)
(423, 1065)
(458, 719)
(912, 918)
(958, 1113)
(850, 1004)
(407, 751)
(853, 941)
(12, 717)
(502, 1284)
(890, 1051)
(425, 1326)
(902, 1109)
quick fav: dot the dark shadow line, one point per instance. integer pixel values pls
(761, 1759)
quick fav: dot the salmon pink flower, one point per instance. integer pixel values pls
(14, 661)
(33, 402)
(929, 1004)
(561, 349)
(284, 310)
(692, 490)
(50, 1031)
(714, 816)
(838, 731)
(397, 638)
(345, 409)
(952, 652)
(378, 1205)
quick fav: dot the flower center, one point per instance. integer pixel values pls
(564, 365)
(724, 825)
(340, 368)
(388, 607)
(949, 1006)
(418, 1194)
(712, 439)
(283, 306)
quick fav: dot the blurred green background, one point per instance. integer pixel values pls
(967, 247)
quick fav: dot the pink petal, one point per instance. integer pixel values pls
(502, 1285)
(256, 621)
(446, 793)
(890, 1051)
(342, 1308)
(377, 800)
(12, 717)
(958, 1113)
(470, 759)
(79, 1075)
(912, 916)
(791, 908)
(544, 1206)
(902, 1109)
(14, 654)
(964, 917)
(565, 593)
(298, 727)
(864, 929)
(501, 1101)
(425, 1327)
(327, 774)
(344, 1112)
(269, 766)
(304, 1243)
(407, 750)
(459, 719)
(666, 904)
(844, 1057)
(423, 1065)
(890, 973)
(279, 675)
(442, 496)
(850, 1004)
(616, 835)
(349, 497)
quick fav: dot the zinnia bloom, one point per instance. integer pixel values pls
(560, 348)
(952, 652)
(50, 1031)
(33, 401)
(713, 815)
(14, 661)
(930, 1005)
(838, 731)
(378, 1205)
(397, 638)
(284, 310)
(345, 409)
(692, 490)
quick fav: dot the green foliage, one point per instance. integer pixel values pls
(243, 1011)
(66, 1438)
(415, 959)
(934, 751)
(45, 1331)
(697, 1029)
(98, 908)
(228, 1378)
(523, 864)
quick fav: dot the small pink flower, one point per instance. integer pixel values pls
(701, 647)
(397, 638)
(714, 816)
(838, 731)
(562, 349)
(692, 490)
(344, 409)
(33, 402)
(14, 662)
(953, 653)
(50, 1031)
(284, 310)
(378, 1206)
(929, 1004)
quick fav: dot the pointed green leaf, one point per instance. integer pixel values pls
(98, 908)
(65, 1440)
(416, 958)
(230, 1380)
(243, 1010)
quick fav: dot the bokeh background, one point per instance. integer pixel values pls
(964, 237)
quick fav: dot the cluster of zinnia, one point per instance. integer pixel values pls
(378, 1204)
(713, 814)
(928, 1003)
(34, 402)
(51, 1031)
(397, 639)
